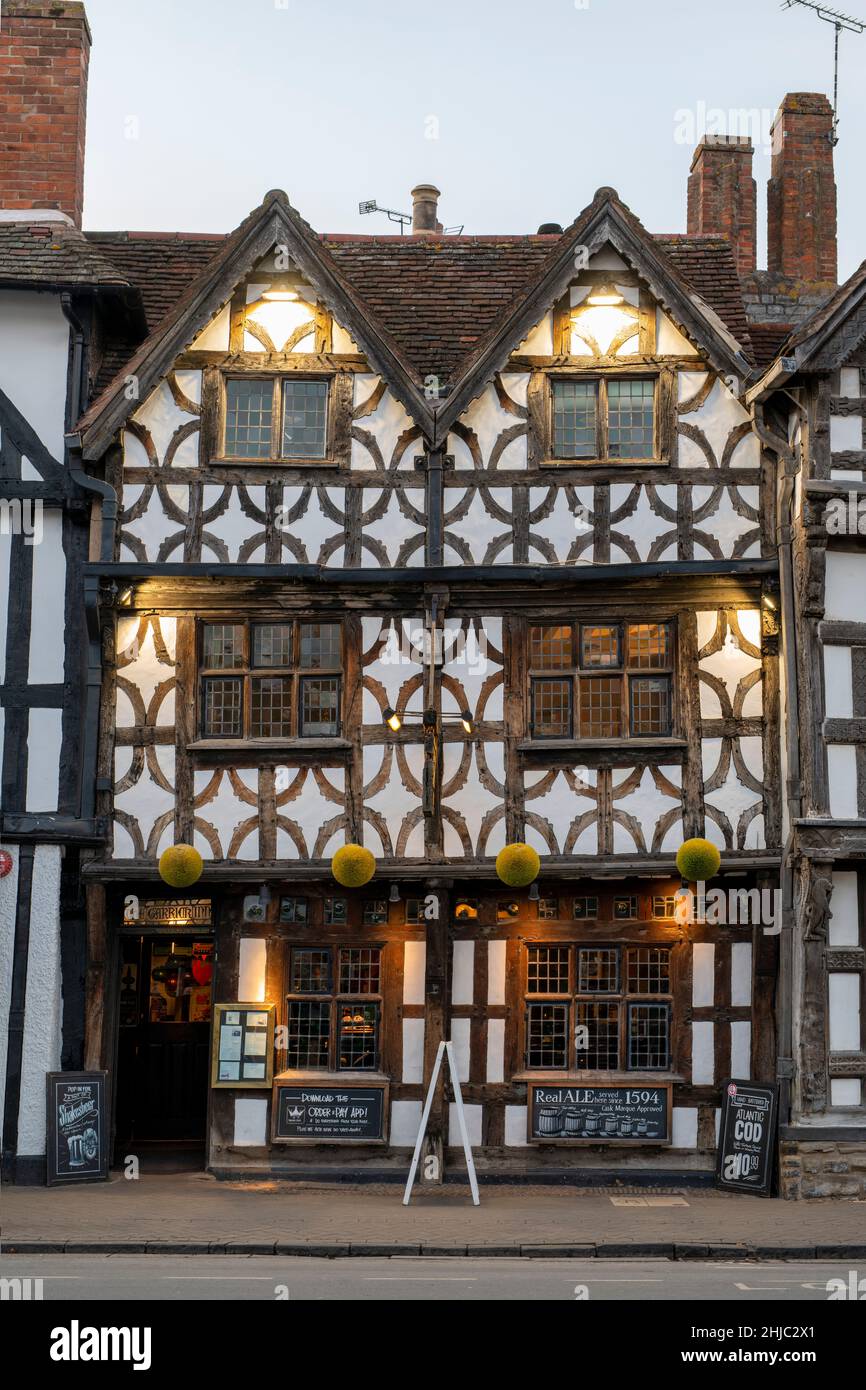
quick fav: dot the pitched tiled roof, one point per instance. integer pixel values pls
(824, 315)
(437, 296)
(53, 254)
(767, 339)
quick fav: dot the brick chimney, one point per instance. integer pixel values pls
(44, 57)
(722, 196)
(425, 206)
(801, 193)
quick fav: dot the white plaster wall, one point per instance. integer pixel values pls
(849, 381)
(515, 1127)
(33, 332)
(845, 584)
(844, 929)
(214, 337)
(463, 969)
(413, 1050)
(405, 1119)
(703, 1073)
(49, 602)
(844, 998)
(684, 1127)
(741, 1050)
(496, 972)
(496, 1049)
(44, 741)
(252, 967)
(838, 683)
(414, 964)
(703, 974)
(669, 339)
(460, 1038)
(842, 779)
(846, 432)
(8, 905)
(251, 1118)
(5, 556)
(845, 1091)
(43, 1002)
(472, 1115)
(741, 974)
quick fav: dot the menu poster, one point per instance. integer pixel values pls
(634, 1114)
(77, 1137)
(747, 1137)
(243, 1045)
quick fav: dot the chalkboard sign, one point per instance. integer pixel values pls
(747, 1137)
(242, 1047)
(311, 1112)
(634, 1114)
(76, 1130)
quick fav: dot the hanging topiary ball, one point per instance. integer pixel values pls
(517, 865)
(698, 860)
(180, 866)
(353, 866)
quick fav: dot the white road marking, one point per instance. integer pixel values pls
(761, 1288)
(417, 1279)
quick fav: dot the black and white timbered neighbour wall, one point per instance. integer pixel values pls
(434, 545)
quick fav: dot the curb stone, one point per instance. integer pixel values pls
(329, 1252)
(372, 1251)
(558, 1252)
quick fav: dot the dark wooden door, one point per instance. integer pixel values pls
(164, 1045)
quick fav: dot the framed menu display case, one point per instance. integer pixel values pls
(242, 1048)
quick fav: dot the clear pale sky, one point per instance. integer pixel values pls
(533, 105)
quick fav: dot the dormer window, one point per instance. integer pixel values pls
(604, 418)
(276, 419)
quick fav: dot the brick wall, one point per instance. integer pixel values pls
(801, 193)
(44, 56)
(722, 195)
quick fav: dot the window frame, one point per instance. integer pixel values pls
(276, 457)
(622, 997)
(575, 672)
(335, 999)
(247, 673)
(602, 455)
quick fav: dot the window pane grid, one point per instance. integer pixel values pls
(359, 970)
(547, 969)
(648, 970)
(648, 1037)
(223, 646)
(320, 646)
(598, 970)
(249, 418)
(308, 1031)
(601, 1021)
(222, 714)
(630, 419)
(600, 646)
(550, 648)
(601, 707)
(271, 707)
(272, 644)
(305, 409)
(250, 703)
(575, 419)
(547, 1036)
(551, 708)
(320, 706)
(650, 705)
(358, 1036)
(648, 646)
(311, 972)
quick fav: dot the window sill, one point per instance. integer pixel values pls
(553, 745)
(328, 1078)
(604, 463)
(222, 462)
(267, 748)
(602, 1078)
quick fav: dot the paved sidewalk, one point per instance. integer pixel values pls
(193, 1213)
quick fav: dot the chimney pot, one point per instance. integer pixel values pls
(425, 206)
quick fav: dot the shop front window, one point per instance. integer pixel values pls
(334, 1008)
(598, 1008)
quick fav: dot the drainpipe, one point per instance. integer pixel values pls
(108, 499)
(786, 478)
(104, 491)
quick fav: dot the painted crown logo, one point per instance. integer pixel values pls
(295, 1113)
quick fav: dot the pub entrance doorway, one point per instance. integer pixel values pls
(163, 1044)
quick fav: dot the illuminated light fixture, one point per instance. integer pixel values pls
(534, 894)
(392, 719)
(125, 595)
(607, 295)
(466, 720)
(282, 289)
(394, 894)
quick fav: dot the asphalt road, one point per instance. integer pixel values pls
(255, 1278)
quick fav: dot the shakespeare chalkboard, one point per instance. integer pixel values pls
(747, 1137)
(637, 1114)
(77, 1136)
(343, 1114)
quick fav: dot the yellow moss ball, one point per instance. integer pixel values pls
(698, 860)
(180, 866)
(517, 865)
(353, 866)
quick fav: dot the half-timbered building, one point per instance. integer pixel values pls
(435, 544)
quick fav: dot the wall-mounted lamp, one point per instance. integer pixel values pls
(429, 720)
(607, 295)
(534, 894)
(394, 893)
(282, 289)
(392, 719)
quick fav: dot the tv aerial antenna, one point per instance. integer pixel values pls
(839, 22)
(404, 218)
